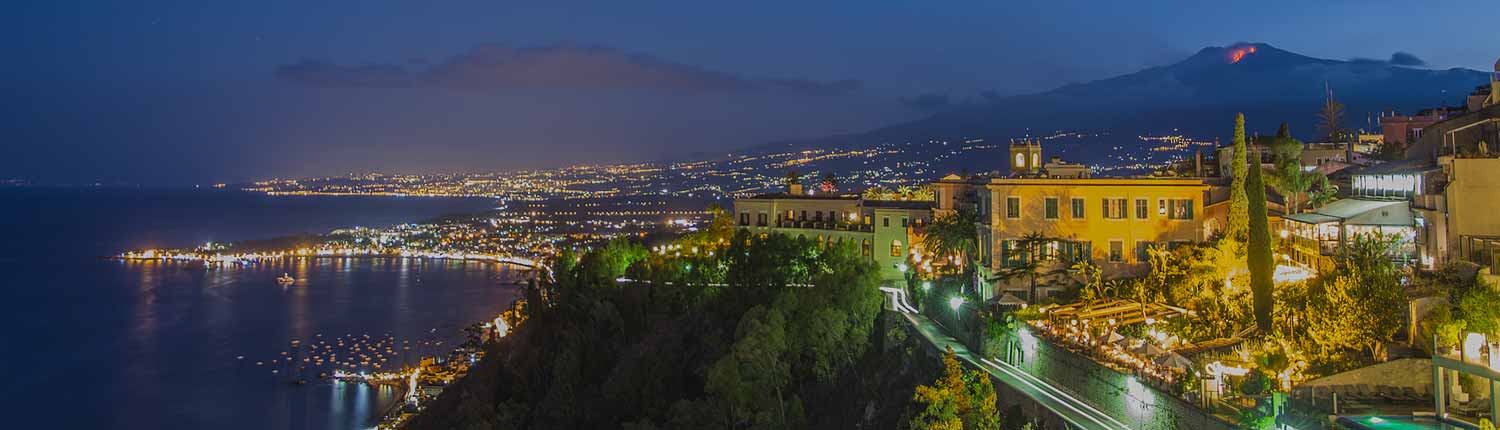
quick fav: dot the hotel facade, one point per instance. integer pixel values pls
(881, 230)
(1111, 222)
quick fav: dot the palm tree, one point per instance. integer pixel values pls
(1093, 288)
(1326, 193)
(954, 237)
(1292, 182)
(1030, 266)
(1331, 117)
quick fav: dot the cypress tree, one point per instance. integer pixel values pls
(1239, 204)
(1283, 132)
(1259, 249)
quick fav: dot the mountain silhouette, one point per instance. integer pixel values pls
(1197, 96)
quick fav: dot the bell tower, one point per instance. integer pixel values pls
(1494, 86)
(1025, 157)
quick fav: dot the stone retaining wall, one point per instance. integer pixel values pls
(1116, 394)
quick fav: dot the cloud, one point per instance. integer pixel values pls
(1406, 59)
(1397, 59)
(927, 102)
(500, 67)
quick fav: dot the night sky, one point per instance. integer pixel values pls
(184, 92)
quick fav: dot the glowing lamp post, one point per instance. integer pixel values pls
(955, 303)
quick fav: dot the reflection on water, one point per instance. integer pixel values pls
(106, 344)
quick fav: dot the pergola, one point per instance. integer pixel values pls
(1119, 312)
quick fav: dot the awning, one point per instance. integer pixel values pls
(1359, 212)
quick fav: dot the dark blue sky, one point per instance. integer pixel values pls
(182, 92)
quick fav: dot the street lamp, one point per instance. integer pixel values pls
(926, 285)
(955, 303)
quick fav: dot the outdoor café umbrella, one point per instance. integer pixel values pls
(1011, 300)
(1173, 360)
(1148, 349)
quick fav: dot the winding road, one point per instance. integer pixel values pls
(1076, 412)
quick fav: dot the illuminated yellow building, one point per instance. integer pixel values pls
(1109, 221)
(880, 229)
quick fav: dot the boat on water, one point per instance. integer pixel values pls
(285, 279)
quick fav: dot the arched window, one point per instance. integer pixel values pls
(895, 248)
(1036, 159)
(1020, 159)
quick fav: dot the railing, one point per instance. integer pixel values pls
(825, 225)
(1324, 247)
(1472, 348)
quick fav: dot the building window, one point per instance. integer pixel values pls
(804, 216)
(1142, 207)
(1077, 208)
(1020, 160)
(885, 221)
(760, 219)
(1013, 207)
(986, 246)
(817, 215)
(895, 248)
(1161, 207)
(1180, 209)
(1142, 251)
(1051, 205)
(833, 216)
(1116, 251)
(905, 222)
(1008, 253)
(1114, 208)
(744, 218)
(864, 247)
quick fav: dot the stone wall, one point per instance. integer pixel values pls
(1117, 394)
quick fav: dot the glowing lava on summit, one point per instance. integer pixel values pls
(1238, 54)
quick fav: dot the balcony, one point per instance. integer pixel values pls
(825, 225)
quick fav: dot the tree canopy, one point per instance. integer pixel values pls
(958, 400)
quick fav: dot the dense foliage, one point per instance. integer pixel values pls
(724, 329)
(958, 400)
(1296, 184)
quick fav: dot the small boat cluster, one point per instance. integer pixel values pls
(348, 355)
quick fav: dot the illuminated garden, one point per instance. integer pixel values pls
(1235, 327)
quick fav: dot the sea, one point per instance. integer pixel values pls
(96, 343)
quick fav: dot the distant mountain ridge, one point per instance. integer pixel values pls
(1197, 96)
